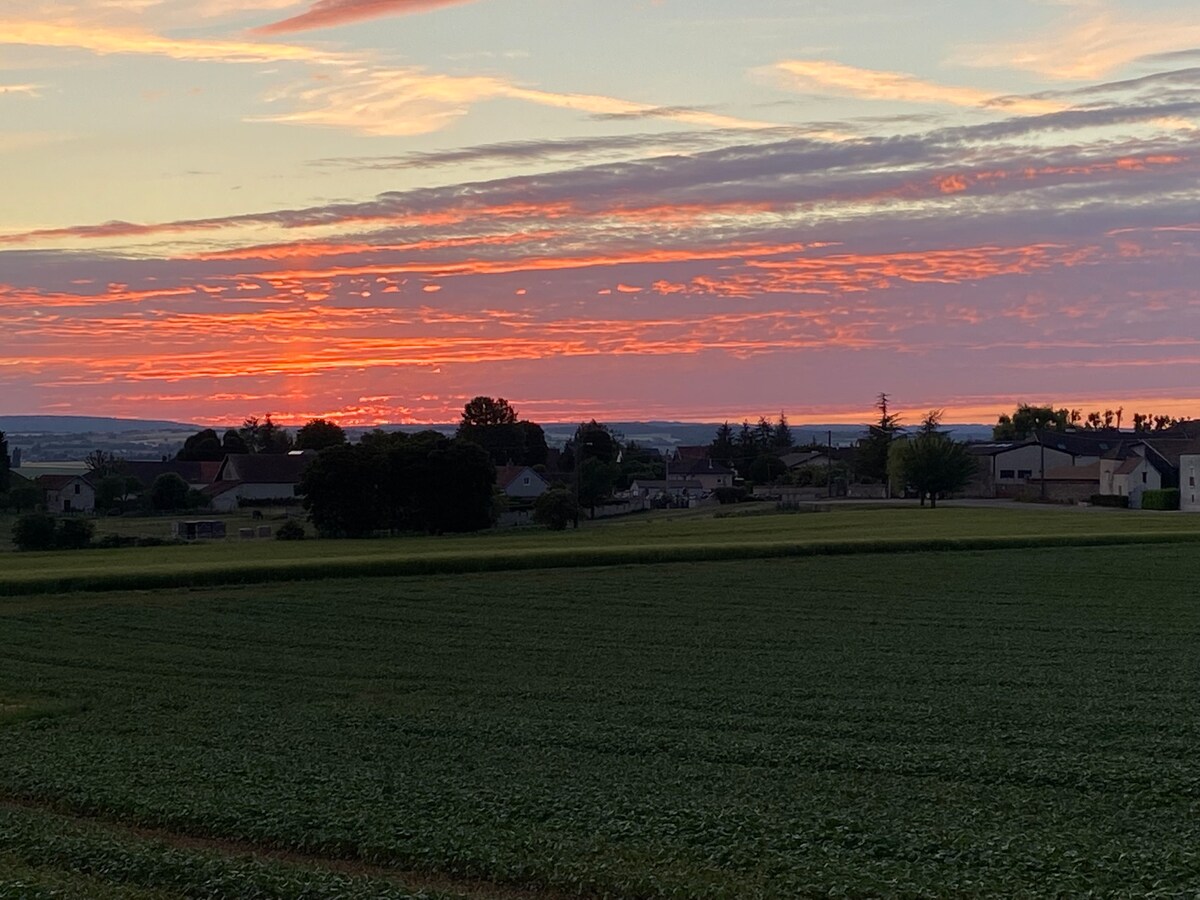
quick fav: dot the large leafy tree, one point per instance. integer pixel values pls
(1026, 419)
(169, 492)
(317, 434)
(492, 423)
(931, 463)
(203, 446)
(486, 411)
(396, 482)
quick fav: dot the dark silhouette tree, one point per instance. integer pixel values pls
(5, 465)
(1027, 419)
(722, 448)
(931, 462)
(781, 436)
(486, 411)
(317, 434)
(169, 492)
(871, 456)
(203, 446)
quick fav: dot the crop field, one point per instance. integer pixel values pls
(642, 538)
(1000, 723)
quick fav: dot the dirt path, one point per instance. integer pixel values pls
(467, 888)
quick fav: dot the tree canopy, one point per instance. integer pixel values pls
(931, 463)
(317, 434)
(396, 482)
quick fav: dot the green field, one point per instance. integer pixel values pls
(1000, 723)
(645, 538)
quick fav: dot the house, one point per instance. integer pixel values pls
(258, 478)
(1189, 490)
(68, 493)
(521, 482)
(709, 473)
(690, 454)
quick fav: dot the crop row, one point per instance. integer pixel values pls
(901, 725)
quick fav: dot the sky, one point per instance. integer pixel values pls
(698, 210)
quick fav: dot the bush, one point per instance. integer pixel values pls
(1164, 499)
(35, 531)
(74, 534)
(291, 530)
(726, 495)
(1113, 500)
(555, 508)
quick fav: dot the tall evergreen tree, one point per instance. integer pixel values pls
(722, 448)
(5, 464)
(781, 437)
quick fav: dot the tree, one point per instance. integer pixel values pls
(317, 434)
(781, 437)
(533, 439)
(766, 469)
(169, 492)
(555, 509)
(1027, 419)
(102, 464)
(932, 464)
(113, 491)
(482, 412)
(34, 531)
(203, 446)
(596, 480)
(343, 489)
(872, 453)
(232, 442)
(5, 465)
(722, 448)
(493, 425)
(24, 496)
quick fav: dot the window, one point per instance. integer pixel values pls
(1006, 473)
(1024, 473)
(1192, 481)
(1143, 478)
(525, 480)
(77, 489)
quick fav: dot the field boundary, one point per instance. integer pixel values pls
(217, 574)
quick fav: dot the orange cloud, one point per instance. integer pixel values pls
(874, 84)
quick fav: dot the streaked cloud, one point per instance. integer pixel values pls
(824, 76)
(332, 13)
(1091, 40)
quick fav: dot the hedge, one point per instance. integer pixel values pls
(1164, 499)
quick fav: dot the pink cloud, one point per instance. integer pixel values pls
(331, 13)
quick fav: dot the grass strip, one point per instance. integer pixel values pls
(255, 572)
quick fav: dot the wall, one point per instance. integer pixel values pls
(1189, 483)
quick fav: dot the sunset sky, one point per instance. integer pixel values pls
(372, 210)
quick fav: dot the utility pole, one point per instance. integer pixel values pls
(829, 462)
(1042, 445)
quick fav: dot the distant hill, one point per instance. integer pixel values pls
(85, 425)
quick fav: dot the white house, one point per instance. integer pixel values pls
(1189, 490)
(521, 482)
(67, 493)
(261, 477)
